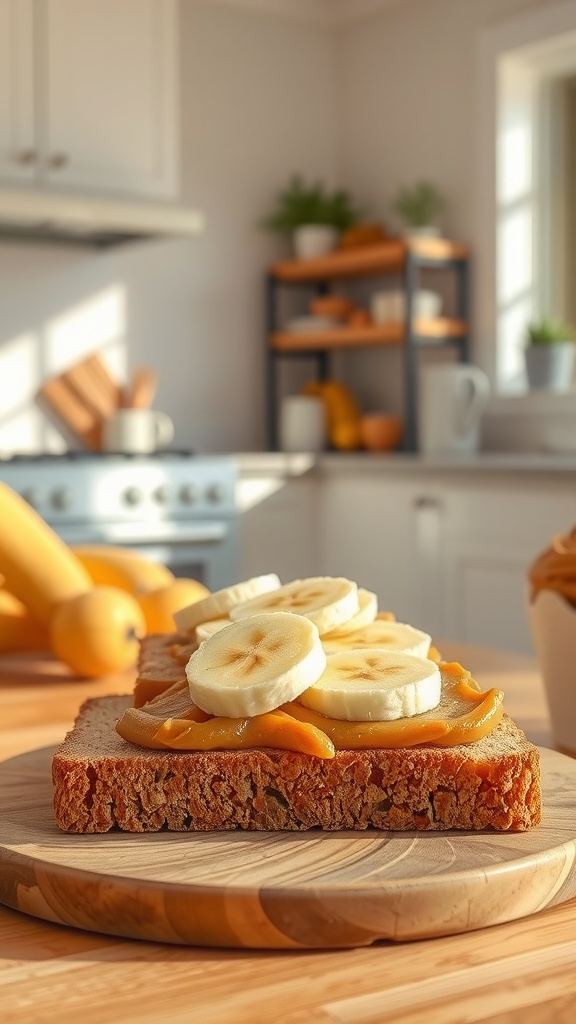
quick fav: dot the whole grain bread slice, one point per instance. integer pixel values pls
(102, 782)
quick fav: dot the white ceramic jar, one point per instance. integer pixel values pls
(302, 424)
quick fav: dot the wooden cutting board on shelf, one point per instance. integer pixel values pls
(141, 391)
(280, 890)
(94, 386)
(63, 403)
(83, 397)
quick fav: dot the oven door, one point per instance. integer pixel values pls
(205, 550)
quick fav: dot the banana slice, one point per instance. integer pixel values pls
(374, 685)
(207, 629)
(392, 636)
(255, 665)
(367, 612)
(327, 601)
(218, 604)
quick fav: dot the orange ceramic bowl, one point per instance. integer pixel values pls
(381, 433)
(338, 306)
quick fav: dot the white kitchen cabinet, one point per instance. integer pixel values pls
(370, 531)
(448, 553)
(90, 98)
(490, 534)
(279, 531)
(17, 146)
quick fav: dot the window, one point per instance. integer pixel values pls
(527, 185)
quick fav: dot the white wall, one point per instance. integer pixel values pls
(382, 100)
(259, 101)
(408, 91)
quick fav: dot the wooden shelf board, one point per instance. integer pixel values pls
(386, 257)
(392, 333)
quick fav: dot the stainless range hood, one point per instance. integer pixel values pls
(40, 216)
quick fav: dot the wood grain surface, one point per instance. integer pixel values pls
(279, 890)
(521, 972)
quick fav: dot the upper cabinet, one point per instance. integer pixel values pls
(88, 95)
(17, 143)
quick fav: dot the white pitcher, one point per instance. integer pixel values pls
(452, 399)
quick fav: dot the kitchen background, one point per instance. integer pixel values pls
(367, 94)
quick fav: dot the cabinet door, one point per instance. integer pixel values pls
(278, 531)
(485, 593)
(491, 533)
(373, 531)
(17, 144)
(108, 117)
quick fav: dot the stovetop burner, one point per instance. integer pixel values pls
(83, 456)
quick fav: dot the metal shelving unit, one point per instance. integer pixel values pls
(405, 259)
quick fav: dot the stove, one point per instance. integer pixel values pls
(176, 507)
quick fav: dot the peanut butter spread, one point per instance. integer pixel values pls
(171, 722)
(555, 568)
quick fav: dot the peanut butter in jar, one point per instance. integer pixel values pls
(555, 568)
(552, 616)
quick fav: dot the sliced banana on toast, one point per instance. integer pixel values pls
(374, 685)
(367, 612)
(256, 664)
(204, 630)
(328, 601)
(219, 604)
(392, 636)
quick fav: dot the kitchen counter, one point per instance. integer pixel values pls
(509, 463)
(514, 973)
(287, 465)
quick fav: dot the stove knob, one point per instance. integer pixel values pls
(216, 493)
(188, 494)
(61, 499)
(161, 495)
(133, 496)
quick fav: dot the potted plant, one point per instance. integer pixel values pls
(418, 206)
(550, 354)
(313, 216)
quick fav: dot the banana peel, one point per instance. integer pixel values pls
(342, 412)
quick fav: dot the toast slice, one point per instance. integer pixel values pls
(102, 782)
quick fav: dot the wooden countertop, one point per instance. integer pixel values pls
(519, 972)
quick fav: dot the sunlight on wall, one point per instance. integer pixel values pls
(516, 210)
(96, 325)
(20, 422)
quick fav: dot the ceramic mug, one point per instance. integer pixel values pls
(452, 399)
(137, 431)
(302, 424)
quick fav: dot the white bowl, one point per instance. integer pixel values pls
(303, 324)
(389, 306)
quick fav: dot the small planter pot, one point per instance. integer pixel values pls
(424, 231)
(313, 240)
(551, 366)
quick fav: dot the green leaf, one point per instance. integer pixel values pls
(548, 330)
(300, 204)
(419, 205)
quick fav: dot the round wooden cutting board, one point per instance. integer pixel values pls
(280, 890)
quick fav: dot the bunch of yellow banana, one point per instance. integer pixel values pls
(88, 605)
(342, 412)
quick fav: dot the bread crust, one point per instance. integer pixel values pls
(102, 782)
